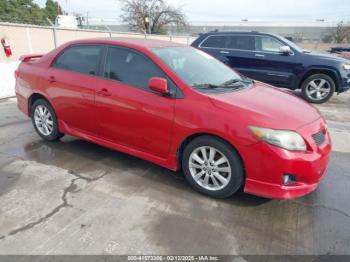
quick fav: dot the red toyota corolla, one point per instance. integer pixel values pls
(179, 108)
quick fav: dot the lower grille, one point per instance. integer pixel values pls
(319, 137)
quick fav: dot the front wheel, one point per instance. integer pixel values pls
(212, 167)
(44, 120)
(318, 88)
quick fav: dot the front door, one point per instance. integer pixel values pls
(272, 66)
(129, 113)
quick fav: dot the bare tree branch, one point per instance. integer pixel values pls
(341, 32)
(158, 12)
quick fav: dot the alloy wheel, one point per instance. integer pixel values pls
(43, 120)
(318, 89)
(210, 168)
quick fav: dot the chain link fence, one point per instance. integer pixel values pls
(27, 39)
(31, 39)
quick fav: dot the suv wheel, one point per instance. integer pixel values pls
(44, 120)
(318, 88)
(212, 167)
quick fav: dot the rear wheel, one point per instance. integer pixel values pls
(44, 120)
(212, 167)
(318, 88)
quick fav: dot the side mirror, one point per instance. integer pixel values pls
(159, 85)
(285, 50)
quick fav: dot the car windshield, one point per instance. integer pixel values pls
(200, 70)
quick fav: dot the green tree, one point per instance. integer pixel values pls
(23, 11)
(52, 10)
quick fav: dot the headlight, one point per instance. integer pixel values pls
(283, 138)
(346, 66)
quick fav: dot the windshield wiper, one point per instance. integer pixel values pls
(232, 83)
(209, 86)
(235, 82)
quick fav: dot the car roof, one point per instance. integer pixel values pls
(132, 42)
(237, 33)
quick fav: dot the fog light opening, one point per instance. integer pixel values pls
(288, 179)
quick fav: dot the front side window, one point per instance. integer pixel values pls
(130, 67)
(200, 70)
(267, 44)
(84, 59)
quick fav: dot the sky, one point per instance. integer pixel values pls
(227, 10)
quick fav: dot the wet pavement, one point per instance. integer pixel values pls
(74, 197)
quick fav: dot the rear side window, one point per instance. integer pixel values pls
(241, 42)
(84, 59)
(130, 67)
(219, 41)
(267, 44)
(238, 42)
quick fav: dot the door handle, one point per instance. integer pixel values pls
(52, 79)
(103, 92)
(259, 55)
(224, 52)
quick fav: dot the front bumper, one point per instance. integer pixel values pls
(345, 85)
(266, 164)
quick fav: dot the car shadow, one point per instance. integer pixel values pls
(297, 93)
(78, 156)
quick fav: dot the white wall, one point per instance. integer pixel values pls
(7, 79)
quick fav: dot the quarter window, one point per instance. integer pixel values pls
(130, 68)
(81, 58)
(267, 44)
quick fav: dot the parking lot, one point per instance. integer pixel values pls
(74, 197)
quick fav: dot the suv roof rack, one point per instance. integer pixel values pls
(231, 31)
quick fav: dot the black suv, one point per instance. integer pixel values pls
(275, 60)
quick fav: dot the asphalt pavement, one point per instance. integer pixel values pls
(75, 197)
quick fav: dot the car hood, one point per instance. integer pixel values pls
(267, 106)
(332, 57)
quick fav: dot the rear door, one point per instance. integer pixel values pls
(235, 50)
(213, 45)
(71, 83)
(271, 66)
(239, 54)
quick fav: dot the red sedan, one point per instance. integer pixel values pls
(179, 108)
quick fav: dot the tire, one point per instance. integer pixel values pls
(42, 111)
(314, 91)
(224, 152)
